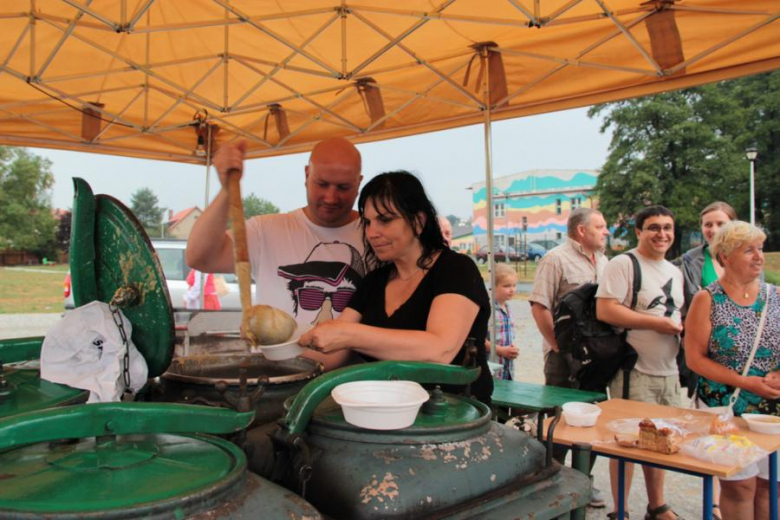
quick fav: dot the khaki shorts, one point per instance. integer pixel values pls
(648, 389)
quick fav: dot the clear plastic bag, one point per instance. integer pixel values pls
(726, 450)
(681, 427)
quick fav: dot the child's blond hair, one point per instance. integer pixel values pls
(504, 271)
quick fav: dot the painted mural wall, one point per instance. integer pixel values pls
(544, 198)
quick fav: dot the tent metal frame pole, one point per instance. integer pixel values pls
(206, 199)
(631, 38)
(139, 67)
(396, 41)
(268, 63)
(724, 43)
(279, 66)
(489, 192)
(60, 43)
(422, 62)
(573, 62)
(137, 16)
(305, 97)
(277, 37)
(120, 114)
(179, 101)
(582, 53)
(97, 16)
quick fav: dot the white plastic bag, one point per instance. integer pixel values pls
(726, 450)
(85, 350)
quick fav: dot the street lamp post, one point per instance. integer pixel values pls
(751, 154)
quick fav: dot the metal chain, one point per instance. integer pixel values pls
(117, 316)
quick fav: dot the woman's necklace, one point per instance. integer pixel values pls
(744, 289)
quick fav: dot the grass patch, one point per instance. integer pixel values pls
(32, 290)
(772, 268)
(526, 271)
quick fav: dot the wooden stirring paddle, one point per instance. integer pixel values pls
(262, 324)
(240, 250)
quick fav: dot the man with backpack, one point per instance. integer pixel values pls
(653, 327)
(578, 261)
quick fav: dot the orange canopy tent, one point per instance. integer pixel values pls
(152, 78)
(159, 79)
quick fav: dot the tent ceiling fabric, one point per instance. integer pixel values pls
(136, 77)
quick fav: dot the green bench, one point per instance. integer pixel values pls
(530, 397)
(513, 398)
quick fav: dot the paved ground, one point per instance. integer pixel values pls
(682, 492)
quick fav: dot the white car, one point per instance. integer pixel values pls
(171, 254)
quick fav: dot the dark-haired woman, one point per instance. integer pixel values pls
(423, 301)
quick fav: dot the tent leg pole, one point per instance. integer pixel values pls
(490, 210)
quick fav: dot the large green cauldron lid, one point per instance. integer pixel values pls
(110, 252)
(134, 459)
(21, 388)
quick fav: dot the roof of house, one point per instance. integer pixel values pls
(178, 217)
(462, 230)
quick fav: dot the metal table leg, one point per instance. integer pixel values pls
(621, 489)
(707, 498)
(580, 460)
(773, 485)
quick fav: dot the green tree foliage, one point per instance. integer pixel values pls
(454, 221)
(26, 220)
(144, 204)
(686, 149)
(63, 232)
(254, 205)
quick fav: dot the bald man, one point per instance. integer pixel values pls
(446, 230)
(306, 262)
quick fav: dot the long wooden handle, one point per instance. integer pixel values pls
(240, 251)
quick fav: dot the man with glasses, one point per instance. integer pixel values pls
(653, 328)
(304, 262)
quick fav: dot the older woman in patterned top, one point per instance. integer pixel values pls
(720, 330)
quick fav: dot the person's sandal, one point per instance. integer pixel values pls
(614, 516)
(652, 514)
(716, 512)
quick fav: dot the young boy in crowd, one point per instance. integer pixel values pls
(504, 290)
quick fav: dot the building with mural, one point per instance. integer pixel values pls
(532, 205)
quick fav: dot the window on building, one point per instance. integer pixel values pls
(525, 223)
(558, 236)
(557, 206)
(576, 203)
(499, 211)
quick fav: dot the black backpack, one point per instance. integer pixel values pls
(592, 348)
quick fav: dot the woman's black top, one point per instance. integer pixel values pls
(452, 273)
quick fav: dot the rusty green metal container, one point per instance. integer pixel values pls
(453, 462)
(133, 460)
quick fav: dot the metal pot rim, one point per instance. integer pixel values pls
(309, 369)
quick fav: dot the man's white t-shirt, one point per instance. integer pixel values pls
(306, 270)
(661, 294)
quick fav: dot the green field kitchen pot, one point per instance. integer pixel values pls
(134, 460)
(216, 380)
(453, 462)
(111, 256)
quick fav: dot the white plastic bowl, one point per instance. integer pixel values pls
(761, 423)
(581, 415)
(380, 405)
(288, 349)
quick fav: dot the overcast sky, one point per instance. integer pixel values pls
(448, 162)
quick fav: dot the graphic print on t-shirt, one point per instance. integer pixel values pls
(324, 283)
(668, 299)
